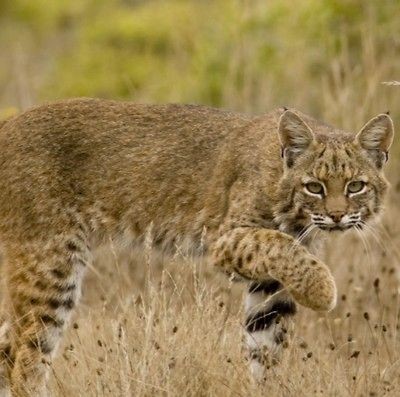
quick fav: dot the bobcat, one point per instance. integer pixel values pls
(247, 191)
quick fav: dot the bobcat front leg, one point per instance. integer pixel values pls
(282, 269)
(261, 254)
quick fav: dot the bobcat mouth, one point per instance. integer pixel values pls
(334, 228)
(328, 224)
(342, 228)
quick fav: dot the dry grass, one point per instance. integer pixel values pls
(172, 327)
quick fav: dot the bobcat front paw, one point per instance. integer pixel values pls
(314, 287)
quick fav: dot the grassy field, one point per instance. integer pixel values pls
(173, 327)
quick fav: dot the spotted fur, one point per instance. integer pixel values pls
(76, 173)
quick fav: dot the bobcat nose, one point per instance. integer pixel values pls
(336, 216)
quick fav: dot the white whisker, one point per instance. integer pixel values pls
(365, 243)
(300, 238)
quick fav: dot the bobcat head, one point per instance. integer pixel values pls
(334, 180)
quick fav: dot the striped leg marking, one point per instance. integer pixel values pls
(268, 310)
(46, 285)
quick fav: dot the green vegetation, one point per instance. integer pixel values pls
(248, 55)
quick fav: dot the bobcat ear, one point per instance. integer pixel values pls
(376, 138)
(295, 136)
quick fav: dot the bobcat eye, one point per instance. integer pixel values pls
(314, 187)
(355, 186)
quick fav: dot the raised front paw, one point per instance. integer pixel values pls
(313, 285)
(306, 278)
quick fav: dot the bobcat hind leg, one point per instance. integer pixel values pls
(44, 285)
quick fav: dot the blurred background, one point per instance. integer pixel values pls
(328, 58)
